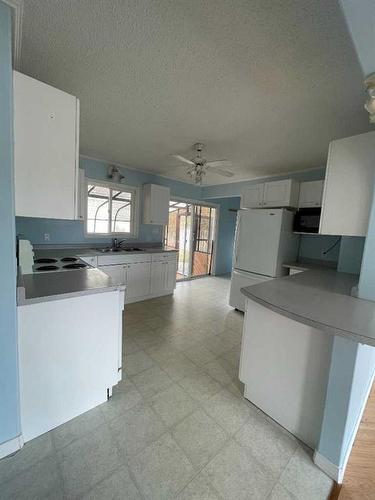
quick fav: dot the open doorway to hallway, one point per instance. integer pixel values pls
(191, 230)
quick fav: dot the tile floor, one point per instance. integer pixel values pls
(177, 426)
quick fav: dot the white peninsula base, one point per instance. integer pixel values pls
(69, 357)
(284, 366)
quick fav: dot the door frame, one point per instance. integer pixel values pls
(216, 229)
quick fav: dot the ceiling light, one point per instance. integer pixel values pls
(370, 102)
(114, 174)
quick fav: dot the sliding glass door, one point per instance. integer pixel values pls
(191, 231)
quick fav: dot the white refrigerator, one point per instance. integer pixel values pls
(264, 241)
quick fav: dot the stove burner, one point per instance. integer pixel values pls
(47, 268)
(74, 266)
(69, 259)
(44, 261)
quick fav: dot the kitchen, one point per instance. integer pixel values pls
(121, 381)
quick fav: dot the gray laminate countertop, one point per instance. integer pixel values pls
(39, 287)
(321, 298)
(306, 264)
(85, 251)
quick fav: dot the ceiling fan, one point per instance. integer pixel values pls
(198, 166)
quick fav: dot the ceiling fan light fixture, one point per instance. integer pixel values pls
(199, 166)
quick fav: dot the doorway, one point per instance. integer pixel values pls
(191, 231)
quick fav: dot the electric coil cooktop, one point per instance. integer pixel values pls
(49, 264)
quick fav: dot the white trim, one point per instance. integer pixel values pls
(17, 6)
(135, 214)
(10, 447)
(191, 183)
(135, 169)
(270, 176)
(332, 470)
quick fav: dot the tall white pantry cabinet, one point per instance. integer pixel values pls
(46, 147)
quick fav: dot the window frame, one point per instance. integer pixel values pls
(134, 221)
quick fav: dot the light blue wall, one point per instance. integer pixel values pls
(66, 232)
(225, 237)
(350, 257)
(9, 398)
(313, 247)
(360, 18)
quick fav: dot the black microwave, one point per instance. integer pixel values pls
(306, 220)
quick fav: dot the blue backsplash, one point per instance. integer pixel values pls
(313, 246)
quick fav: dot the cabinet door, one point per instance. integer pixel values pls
(348, 186)
(157, 277)
(160, 204)
(116, 272)
(310, 194)
(252, 196)
(138, 280)
(155, 204)
(170, 274)
(280, 194)
(45, 150)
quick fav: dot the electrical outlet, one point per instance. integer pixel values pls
(46, 237)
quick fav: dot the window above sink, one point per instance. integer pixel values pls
(111, 209)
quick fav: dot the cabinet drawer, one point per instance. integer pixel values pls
(105, 260)
(166, 256)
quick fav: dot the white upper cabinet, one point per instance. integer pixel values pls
(310, 194)
(271, 194)
(348, 186)
(155, 204)
(46, 131)
(252, 196)
(281, 193)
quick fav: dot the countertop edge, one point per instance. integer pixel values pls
(22, 301)
(315, 324)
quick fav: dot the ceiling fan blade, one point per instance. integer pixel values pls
(219, 163)
(220, 171)
(182, 158)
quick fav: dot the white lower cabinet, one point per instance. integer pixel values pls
(116, 272)
(157, 276)
(163, 276)
(138, 276)
(153, 276)
(170, 274)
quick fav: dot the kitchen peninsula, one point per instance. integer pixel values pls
(289, 327)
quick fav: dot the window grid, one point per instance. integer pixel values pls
(111, 196)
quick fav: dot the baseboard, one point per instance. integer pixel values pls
(358, 422)
(332, 470)
(11, 446)
(147, 297)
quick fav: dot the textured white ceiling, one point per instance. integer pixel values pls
(264, 83)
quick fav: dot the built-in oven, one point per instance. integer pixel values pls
(306, 220)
